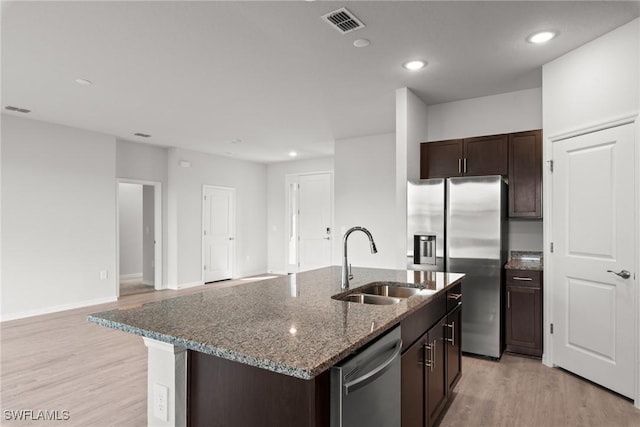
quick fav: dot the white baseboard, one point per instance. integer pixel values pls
(55, 309)
(185, 285)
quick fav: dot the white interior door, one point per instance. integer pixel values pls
(218, 233)
(593, 235)
(314, 198)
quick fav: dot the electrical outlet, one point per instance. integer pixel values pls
(104, 274)
(160, 401)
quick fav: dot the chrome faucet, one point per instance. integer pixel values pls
(346, 268)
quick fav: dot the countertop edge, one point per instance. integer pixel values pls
(277, 367)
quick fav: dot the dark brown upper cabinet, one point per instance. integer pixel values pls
(485, 155)
(441, 159)
(525, 174)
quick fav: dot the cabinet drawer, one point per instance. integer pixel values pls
(454, 297)
(526, 278)
(422, 320)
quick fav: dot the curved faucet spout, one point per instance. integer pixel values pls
(346, 269)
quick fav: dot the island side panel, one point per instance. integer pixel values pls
(166, 384)
(221, 392)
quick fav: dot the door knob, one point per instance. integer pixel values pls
(232, 238)
(623, 273)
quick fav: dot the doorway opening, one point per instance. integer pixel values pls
(218, 233)
(309, 222)
(138, 231)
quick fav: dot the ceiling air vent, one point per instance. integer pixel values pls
(19, 110)
(343, 20)
(142, 135)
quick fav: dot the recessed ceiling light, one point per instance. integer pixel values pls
(361, 43)
(541, 37)
(84, 82)
(414, 65)
(292, 154)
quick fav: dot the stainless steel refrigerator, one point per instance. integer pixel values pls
(459, 225)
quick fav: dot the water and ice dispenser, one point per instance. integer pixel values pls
(424, 249)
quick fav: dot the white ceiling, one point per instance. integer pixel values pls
(199, 75)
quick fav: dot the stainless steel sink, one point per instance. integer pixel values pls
(396, 291)
(369, 299)
(383, 293)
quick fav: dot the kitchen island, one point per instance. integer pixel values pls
(290, 328)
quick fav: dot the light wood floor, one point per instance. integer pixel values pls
(61, 362)
(134, 287)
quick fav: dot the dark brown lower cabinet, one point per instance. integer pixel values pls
(225, 393)
(413, 398)
(454, 348)
(524, 312)
(431, 367)
(436, 372)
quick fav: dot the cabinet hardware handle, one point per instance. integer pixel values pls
(455, 296)
(433, 355)
(465, 165)
(524, 279)
(452, 340)
(428, 363)
(459, 166)
(508, 300)
(624, 273)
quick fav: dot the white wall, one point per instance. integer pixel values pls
(147, 163)
(58, 217)
(130, 224)
(594, 83)
(185, 208)
(365, 195)
(490, 115)
(411, 130)
(525, 235)
(277, 204)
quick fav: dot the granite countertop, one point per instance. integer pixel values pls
(289, 324)
(525, 260)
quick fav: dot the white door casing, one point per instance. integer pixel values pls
(157, 232)
(315, 221)
(593, 231)
(218, 233)
(312, 196)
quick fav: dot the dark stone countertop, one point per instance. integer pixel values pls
(525, 260)
(289, 324)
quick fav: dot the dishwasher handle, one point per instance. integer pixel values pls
(370, 376)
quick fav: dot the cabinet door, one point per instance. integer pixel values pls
(453, 334)
(435, 381)
(441, 159)
(486, 155)
(525, 174)
(413, 385)
(524, 320)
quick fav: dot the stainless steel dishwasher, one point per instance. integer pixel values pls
(365, 389)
